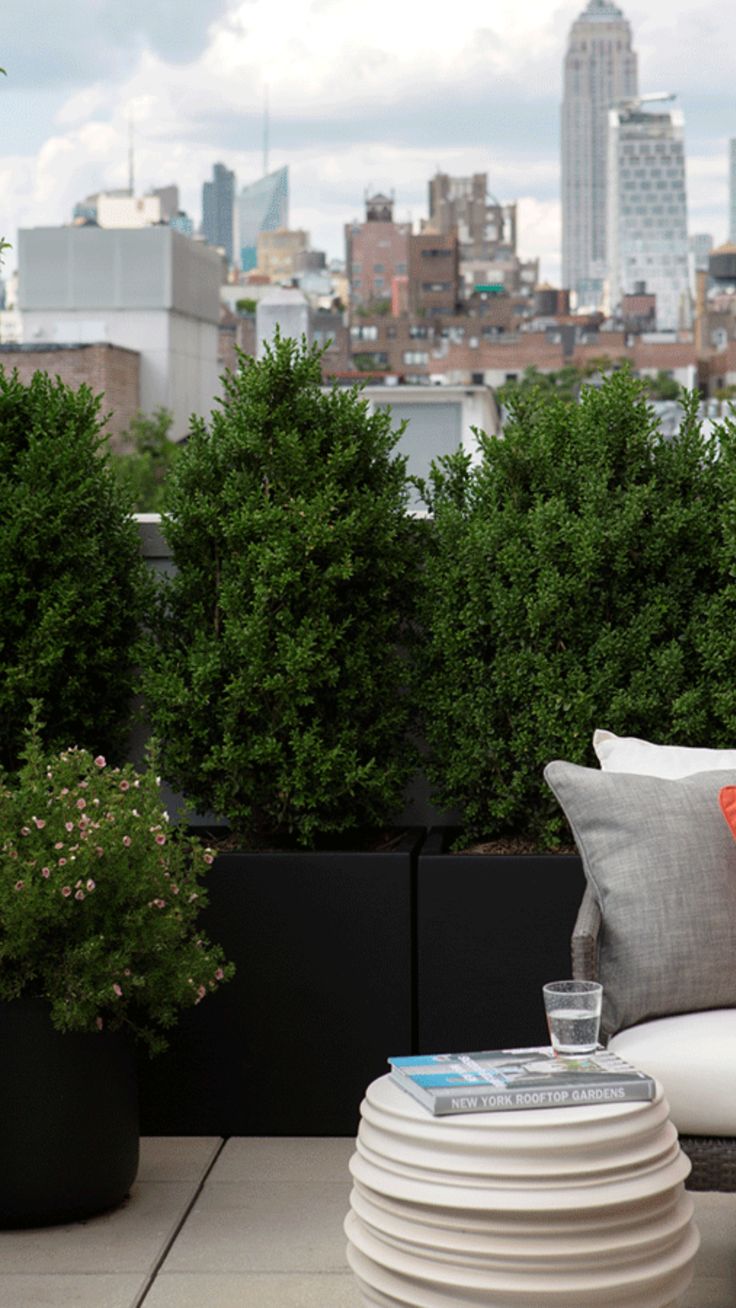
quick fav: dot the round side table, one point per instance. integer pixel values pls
(571, 1207)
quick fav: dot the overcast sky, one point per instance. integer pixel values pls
(375, 95)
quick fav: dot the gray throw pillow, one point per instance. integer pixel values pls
(661, 862)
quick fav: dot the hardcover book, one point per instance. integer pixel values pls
(512, 1079)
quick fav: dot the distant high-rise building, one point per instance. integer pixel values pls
(277, 252)
(600, 70)
(218, 210)
(263, 206)
(700, 246)
(647, 208)
(376, 252)
(463, 204)
(732, 190)
(169, 198)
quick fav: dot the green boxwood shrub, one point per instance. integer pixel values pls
(580, 576)
(73, 586)
(276, 690)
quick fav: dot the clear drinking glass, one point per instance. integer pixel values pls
(573, 1011)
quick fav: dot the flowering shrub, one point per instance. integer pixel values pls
(99, 898)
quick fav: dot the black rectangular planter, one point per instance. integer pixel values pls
(491, 929)
(323, 994)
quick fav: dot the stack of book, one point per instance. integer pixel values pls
(511, 1079)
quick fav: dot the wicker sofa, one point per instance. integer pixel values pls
(713, 1157)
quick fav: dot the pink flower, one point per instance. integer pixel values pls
(99, 851)
(25, 831)
(40, 823)
(118, 990)
(81, 803)
(62, 862)
(91, 884)
(79, 894)
(208, 857)
(68, 826)
(19, 885)
(66, 891)
(125, 785)
(59, 844)
(127, 971)
(161, 839)
(219, 974)
(99, 761)
(201, 991)
(13, 853)
(46, 872)
(127, 841)
(158, 903)
(64, 790)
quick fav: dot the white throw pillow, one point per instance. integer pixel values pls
(627, 754)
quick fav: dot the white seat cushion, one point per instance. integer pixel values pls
(693, 1055)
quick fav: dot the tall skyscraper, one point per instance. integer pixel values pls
(263, 206)
(732, 190)
(647, 208)
(600, 70)
(218, 209)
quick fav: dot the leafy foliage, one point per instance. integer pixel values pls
(565, 382)
(580, 577)
(277, 688)
(98, 898)
(143, 471)
(73, 586)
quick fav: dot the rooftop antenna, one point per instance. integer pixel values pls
(131, 167)
(265, 129)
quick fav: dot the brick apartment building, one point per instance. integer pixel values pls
(376, 251)
(434, 275)
(109, 370)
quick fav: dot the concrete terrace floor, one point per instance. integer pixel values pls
(246, 1223)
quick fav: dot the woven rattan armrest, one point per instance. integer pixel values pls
(585, 939)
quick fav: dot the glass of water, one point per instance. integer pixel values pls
(573, 1011)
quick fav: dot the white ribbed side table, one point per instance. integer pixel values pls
(572, 1207)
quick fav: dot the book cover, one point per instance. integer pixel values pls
(511, 1079)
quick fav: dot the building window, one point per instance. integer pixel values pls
(416, 356)
(378, 268)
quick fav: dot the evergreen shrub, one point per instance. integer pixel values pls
(73, 585)
(276, 690)
(580, 577)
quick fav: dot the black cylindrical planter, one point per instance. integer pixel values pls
(69, 1131)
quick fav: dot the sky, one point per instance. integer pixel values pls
(376, 96)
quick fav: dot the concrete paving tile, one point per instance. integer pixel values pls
(241, 1229)
(710, 1292)
(715, 1215)
(234, 1290)
(270, 1205)
(293, 1158)
(176, 1158)
(128, 1239)
(96, 1291)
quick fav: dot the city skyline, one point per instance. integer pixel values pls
(349, 111)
